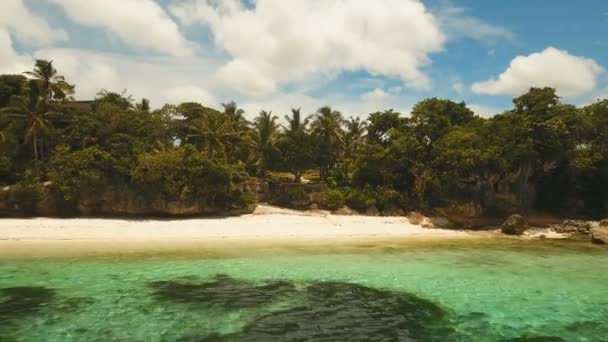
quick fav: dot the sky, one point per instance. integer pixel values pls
(357, 56)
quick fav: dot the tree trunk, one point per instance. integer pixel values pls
(35, 140)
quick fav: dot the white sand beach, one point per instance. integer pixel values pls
(266, 226)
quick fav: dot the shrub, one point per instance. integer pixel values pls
(333, 199)
(387, 198)
(360, 199)
(23, 198)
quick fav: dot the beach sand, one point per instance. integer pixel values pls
(267, 226)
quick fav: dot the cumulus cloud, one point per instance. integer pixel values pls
(10, 60)
(571, 75)
(284, 41)
(458, 87)
(28, 27)
(161, 79)
(139, 23)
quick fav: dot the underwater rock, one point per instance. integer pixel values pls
(514, 225)
(335, 311)
(24, 301)
(222, 292)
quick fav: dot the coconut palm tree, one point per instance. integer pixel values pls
(327, 127)
(37, 114)
(53, 87)
(214, 133)
(266, 133)
(295, 145)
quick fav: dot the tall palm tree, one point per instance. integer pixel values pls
(235, 114)
(327, 127)
(36, 113)
(266, 133)
(53, 86)
(296, 147)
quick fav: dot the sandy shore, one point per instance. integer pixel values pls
(266, 226)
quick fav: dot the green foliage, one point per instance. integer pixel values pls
(543, 155)
(333, 199)
(79, 174)
(23, 198)
(185, 174)
(360, 199)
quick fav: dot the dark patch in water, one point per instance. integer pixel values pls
(336, 311)
(222, 292)
(24, 301)
(536, 339)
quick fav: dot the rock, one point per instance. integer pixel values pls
(599, 235)
(393, 212)
(313, 207)
(441, 222)
(604, 223)
(346, 211)
(573, 227)
(514, 225)
(372, 211)
(415, 217)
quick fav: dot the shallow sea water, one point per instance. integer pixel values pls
(499, 290)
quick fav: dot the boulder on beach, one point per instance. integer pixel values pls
(415, 217)
(514, 225)
(599, 235)
(343, 211)
(604, 223)
(372, 211)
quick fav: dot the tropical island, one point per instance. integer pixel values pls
(115, 157)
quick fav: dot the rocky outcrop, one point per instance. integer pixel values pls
(604, 223)
(429, 222)
(573, 227)
(514, 225)
(599, 235)
(372, 211)
(346, 211)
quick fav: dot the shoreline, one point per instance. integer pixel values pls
(267, 228)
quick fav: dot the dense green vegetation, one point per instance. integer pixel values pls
(542, 156)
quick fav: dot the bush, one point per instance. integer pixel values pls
(333, 199)
(23, 198)
(387, 198)
(360, 199)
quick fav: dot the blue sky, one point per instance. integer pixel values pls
(357, 56)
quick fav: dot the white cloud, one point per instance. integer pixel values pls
(571, 75)
(457, 24)
(377, 94)
(26, 26)
(189, 93)
(10, 61)
(285, 41)
(485, 111)
(139, 23)
(161, 79)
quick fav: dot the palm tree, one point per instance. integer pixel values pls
(296, 147)
(355, 132)
(266, 133)
(36, 112)
(327, 127)
(214, 133)
(53, 86)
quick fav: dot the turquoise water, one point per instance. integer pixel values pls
(492, 291)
